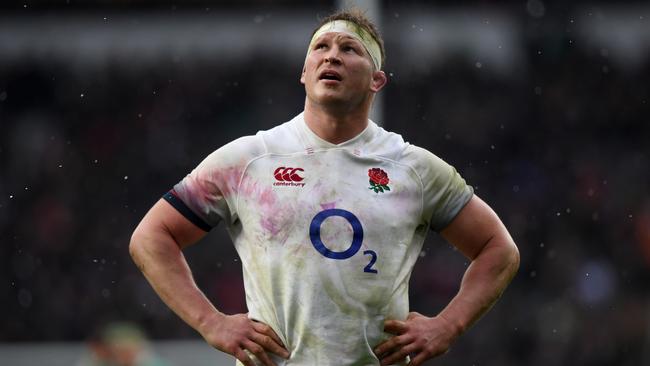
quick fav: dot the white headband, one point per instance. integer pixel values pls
(355, 31)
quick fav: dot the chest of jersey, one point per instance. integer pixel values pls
(331, 208)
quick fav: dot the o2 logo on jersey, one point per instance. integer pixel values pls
(357, 237)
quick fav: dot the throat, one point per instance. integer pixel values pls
(336, 123)
(336, 131)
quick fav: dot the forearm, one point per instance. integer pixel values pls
(163, 264)
(483, 283)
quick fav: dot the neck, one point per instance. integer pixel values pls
(335, 125)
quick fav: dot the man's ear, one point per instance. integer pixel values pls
(302, 76)
(379, 80)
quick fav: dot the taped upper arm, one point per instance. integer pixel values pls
(163, 217)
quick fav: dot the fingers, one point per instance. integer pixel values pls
(396, 327)
(270, 344)
(399, 355)
(418, 359)
(259, 352)
(391, 345)
(243, 357)
(265, 329)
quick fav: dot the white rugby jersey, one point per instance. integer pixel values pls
(327, 234)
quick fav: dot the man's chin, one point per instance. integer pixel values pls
(331, 98)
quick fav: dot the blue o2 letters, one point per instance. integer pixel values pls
(357, 237)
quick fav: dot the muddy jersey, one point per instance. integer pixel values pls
(327, 233)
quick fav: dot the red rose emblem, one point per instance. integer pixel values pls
(378, 180)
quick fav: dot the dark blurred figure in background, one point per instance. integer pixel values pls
(120, 344)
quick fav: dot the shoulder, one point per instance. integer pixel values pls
(419, 157)
(428, 166)
(391, 146)
(282, 139)
(387, 144)
(236, 152)
(239, 153)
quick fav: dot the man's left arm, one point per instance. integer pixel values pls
(480, 235)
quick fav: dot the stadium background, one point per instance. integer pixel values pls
(543, 106)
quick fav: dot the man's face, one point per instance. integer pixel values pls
(338, 70)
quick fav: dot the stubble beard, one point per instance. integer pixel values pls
(333, 100)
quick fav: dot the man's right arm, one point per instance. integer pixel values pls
(156, 247)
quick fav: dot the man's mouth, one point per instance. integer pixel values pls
(329, 75)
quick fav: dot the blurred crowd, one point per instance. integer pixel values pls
(560, 151)
(119, 344)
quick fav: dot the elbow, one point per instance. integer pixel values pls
(149, 244)
(135, 245)
(513, 258)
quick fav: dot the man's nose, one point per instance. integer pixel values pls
(332, 56)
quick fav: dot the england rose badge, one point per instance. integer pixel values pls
(378, 180)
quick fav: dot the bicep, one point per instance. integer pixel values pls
(163, 218)
(474, 226)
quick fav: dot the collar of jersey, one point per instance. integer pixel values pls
(313, 140)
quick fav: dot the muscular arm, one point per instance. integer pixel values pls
(480, 235)
(156, 247)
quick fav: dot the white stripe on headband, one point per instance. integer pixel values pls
(355, 31)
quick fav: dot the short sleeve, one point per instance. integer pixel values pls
(445, 192)
(208, 194)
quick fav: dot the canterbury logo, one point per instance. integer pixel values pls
(287, 176)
